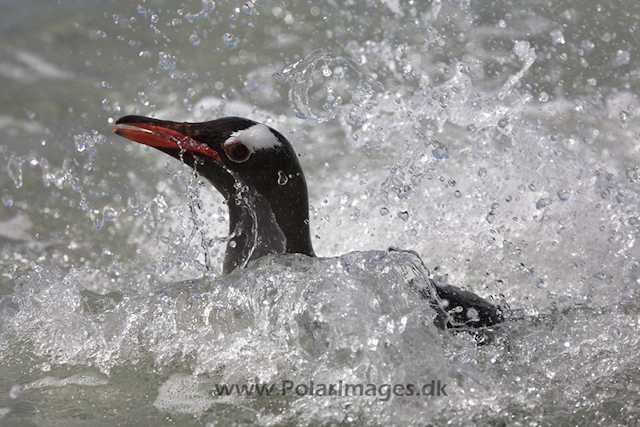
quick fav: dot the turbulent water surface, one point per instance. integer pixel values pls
(498, 140)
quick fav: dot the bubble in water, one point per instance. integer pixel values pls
(229, 40)
(404, 215)
(282, 178)
(563, 195)
(166, 62)
(543, 97)
(557, 37)
(101, 34)
(457, 194)
(105, 85)
(632, 174)
(592, 82)
(144, 54)
(482, 172)
(622, 58)
(384, 211)
(491, 217)
(503, 122)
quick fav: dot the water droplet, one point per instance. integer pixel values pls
(7, 200)
(144, 54)
(599, 275)
(632, 174)
(109, 213)
(471, 128)
(229, 40)
(194, 39)
(14, 391)
(457, 194)
(557, 37)
(404, 215)
(326, 71)
(439, 151)
(384, 211)
(543, 203)
(143, 99)
(208, 5)
(166, 62)
(249, 9)
(503, 122)
(563, 195)
(482, 172)
(96, 218)
(491, 217)
(282, 178)
(543, 97)
(354, 120)
(232, 244)
(592, 82)
(622, 58)
(101, 34)
(587, 45)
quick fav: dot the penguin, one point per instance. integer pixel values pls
(257, 171)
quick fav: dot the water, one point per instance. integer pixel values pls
(498, 141)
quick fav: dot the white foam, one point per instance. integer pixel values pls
(257, 137)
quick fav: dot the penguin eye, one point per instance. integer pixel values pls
(237, 151)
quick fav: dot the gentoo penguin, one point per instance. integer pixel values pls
(257, 171)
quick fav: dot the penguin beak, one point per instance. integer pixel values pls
(164, 135)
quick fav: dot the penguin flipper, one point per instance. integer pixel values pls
(456, 309)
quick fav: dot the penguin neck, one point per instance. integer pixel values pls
(259, 227)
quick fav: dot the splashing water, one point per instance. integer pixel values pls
(497, 141)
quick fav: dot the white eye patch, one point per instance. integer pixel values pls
(257, 137)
